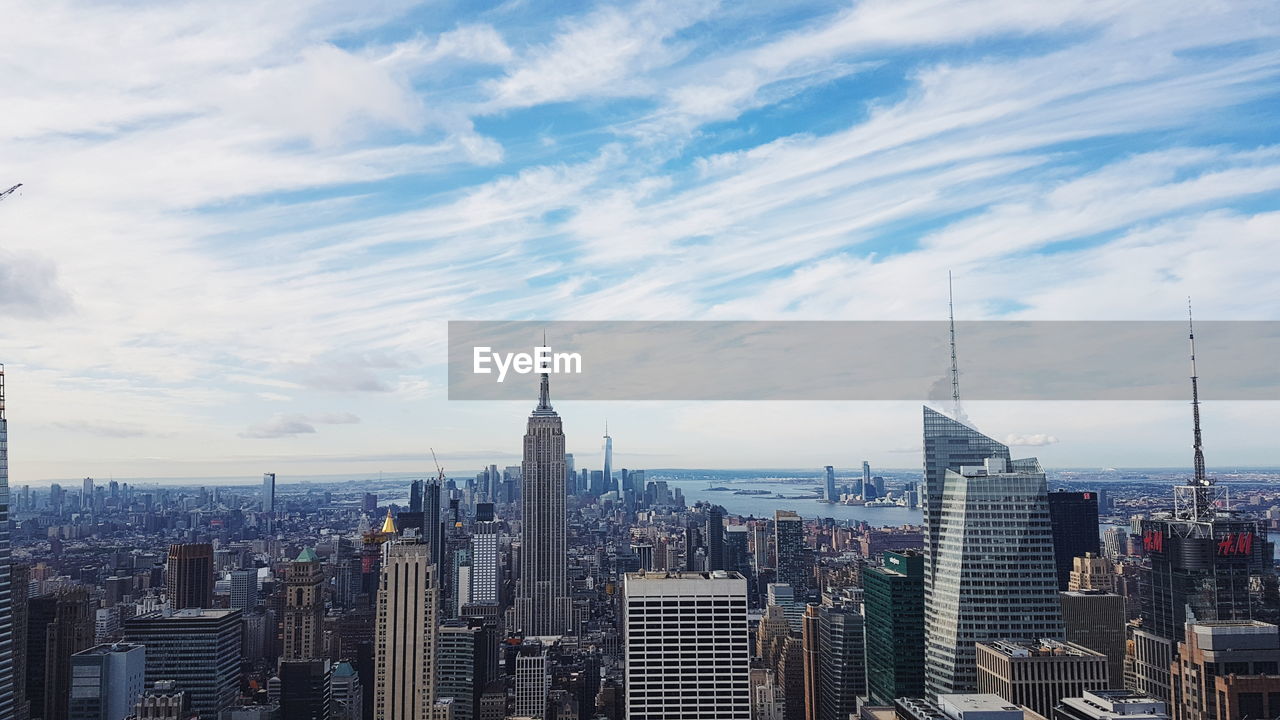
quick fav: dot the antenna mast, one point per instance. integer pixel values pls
(1202, 485)
(957, 413)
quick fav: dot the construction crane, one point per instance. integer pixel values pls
(439, 470)
(9, 192)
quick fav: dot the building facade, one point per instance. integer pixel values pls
(1074, 517)
(197, 649)
(1096, 619)
(996, 577)
(304, 608)
(686, 646)
(1039, 674)
(893, 601)
(789, 550)
(404, 675)
(189, 576)
(106, 681)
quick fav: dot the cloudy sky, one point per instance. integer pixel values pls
(244, 225)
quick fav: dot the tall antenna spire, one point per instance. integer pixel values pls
(957, 413)
(1200, 478)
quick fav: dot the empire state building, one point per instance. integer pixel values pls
(542, 603)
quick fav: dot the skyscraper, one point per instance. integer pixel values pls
(687, 652)
(268, 492)
(244, 589)
(714, 538)
(841, 662)
(68, 630)
(189, 576)
(893, 600)
(608, 459)
(948, 444)
(829, 490)
(304, 608)
(106, 681)
(1197, 566)
(466, 660)
(995, 572)
(1074, 516)
(542, 603)
(533, 680)
(197, 649)
(1038, 674)
(1095, 619)
(788, 547)
(404, 678)
(8, 687)
(484, 557)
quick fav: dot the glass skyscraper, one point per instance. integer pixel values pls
(893, 600)
(995, 573)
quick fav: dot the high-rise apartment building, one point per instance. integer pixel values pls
(543, 605)
(485, 536)
(893, 601)
(1038, 674)
(789, 550)
(106, 681)
(1096, 619)
(304, 608)
(189, 576)
(197, 649)
(995, 572)
(1074, 516)
(404, 676)
(686, 651)
(8, 679)
(268, 492)
(244, 589)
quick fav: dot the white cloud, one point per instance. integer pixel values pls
(289, 425)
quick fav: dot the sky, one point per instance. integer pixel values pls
(244, 225)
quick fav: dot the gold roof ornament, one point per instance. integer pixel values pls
(389, 525)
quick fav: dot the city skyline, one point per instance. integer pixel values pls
(331, 185)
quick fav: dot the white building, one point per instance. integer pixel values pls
(484, 563)
(687, 648)
(533, 681)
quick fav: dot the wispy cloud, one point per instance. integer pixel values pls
(281, 426)
(233, 207)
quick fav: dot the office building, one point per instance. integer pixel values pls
(1091, 572)
(59, 625)
(268, 492)
(189, 576)
(1074, 517)
(542, 600)
(533, 680)
(997, 512)
(346, 694)
(404, 676)
(893, 601)
(686, 646)
(106, 682)
(198, 649)
(1096, 619)
(304, 608)
(1111, 705)
(244, 589)
(466, 660)
(842, 663)
(1038, 674)
(829, 487)
(163, 700)
(1244, 697)
(1197, 567)
(8, 673)
(1213, 651)
(713, 534)
(608, 459)
(812, 665)
(485, 570)
(789, 550)
(305, 691)
(784, 596)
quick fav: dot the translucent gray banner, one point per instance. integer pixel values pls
(863, 360)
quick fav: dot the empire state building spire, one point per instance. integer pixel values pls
(544, 398)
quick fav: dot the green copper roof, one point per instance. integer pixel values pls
(344, 669)
(307, 555)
